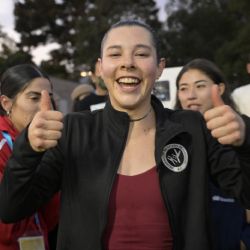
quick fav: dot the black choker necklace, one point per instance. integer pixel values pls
(141, 118)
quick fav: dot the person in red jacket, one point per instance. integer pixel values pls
(21, 88)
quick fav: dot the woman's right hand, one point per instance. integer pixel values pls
(45, 129)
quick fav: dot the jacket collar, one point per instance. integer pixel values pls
(116, 120)
(119, 121)
(168, 126)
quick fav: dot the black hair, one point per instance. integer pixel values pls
(211, 70)
(135, 22)
(15, 79)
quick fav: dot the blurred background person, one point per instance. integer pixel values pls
(79, 93)
(21, 88)
(96, 99)
(194, 84)
(241, 95)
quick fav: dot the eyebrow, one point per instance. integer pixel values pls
(37, 93)
(199, 81)
(137, 46)
(196, 82)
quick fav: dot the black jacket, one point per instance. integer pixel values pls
(85, 163)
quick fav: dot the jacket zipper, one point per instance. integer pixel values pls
(170, 214)
(105, 216)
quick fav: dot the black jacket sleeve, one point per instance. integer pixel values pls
(233, 175)
(25, 187)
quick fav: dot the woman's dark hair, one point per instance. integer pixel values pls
(15, 79)
(134, 22)
(212, 71)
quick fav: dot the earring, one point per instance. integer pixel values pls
(8, 113)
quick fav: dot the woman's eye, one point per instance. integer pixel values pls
(201, 86)
(182, 89)
(142, 54)
(114, 54)
(35, 98)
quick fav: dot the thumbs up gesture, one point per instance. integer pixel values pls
(46, 126)
(225, 124)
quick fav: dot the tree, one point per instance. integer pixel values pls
(197, 31)
(98, 19)
(42, 22)
(233, 54)
(9, 54)
(76, 25)
(214, 29)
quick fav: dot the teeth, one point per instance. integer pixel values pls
(128, 80)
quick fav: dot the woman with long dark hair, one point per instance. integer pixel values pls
(21, 88)
(194, 92)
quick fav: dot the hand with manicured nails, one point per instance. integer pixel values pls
(225, 124)
(46, 126)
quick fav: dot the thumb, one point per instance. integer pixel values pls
(215, 96)
(45, 103)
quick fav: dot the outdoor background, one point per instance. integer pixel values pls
(71, 31)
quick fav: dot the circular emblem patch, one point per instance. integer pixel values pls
(175, 157)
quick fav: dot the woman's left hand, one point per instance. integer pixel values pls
(225, 124)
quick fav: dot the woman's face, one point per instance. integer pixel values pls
(27, 103)
(195, 91)
(129, 67)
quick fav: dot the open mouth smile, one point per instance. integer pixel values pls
(128, 81)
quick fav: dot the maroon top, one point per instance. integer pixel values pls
(138, 219)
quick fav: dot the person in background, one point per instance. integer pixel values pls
(194, 87)
(79, 93)
(21, 88)
(132, 175)
(241, 95)
(97, 99)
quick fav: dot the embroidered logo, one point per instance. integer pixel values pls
(2, 142)
(175, 157)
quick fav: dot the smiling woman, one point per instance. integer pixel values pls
(194, 83)
(133, 175)
(194, 92)
(130, 69)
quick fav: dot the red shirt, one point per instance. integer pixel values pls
(48, 215)
(138, 218)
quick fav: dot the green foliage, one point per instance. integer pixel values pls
(99, 18)
(77, 25)
(10, 56)
(13, 59)
(214, 29)
(54, 69)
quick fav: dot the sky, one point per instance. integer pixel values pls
(41, 53)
